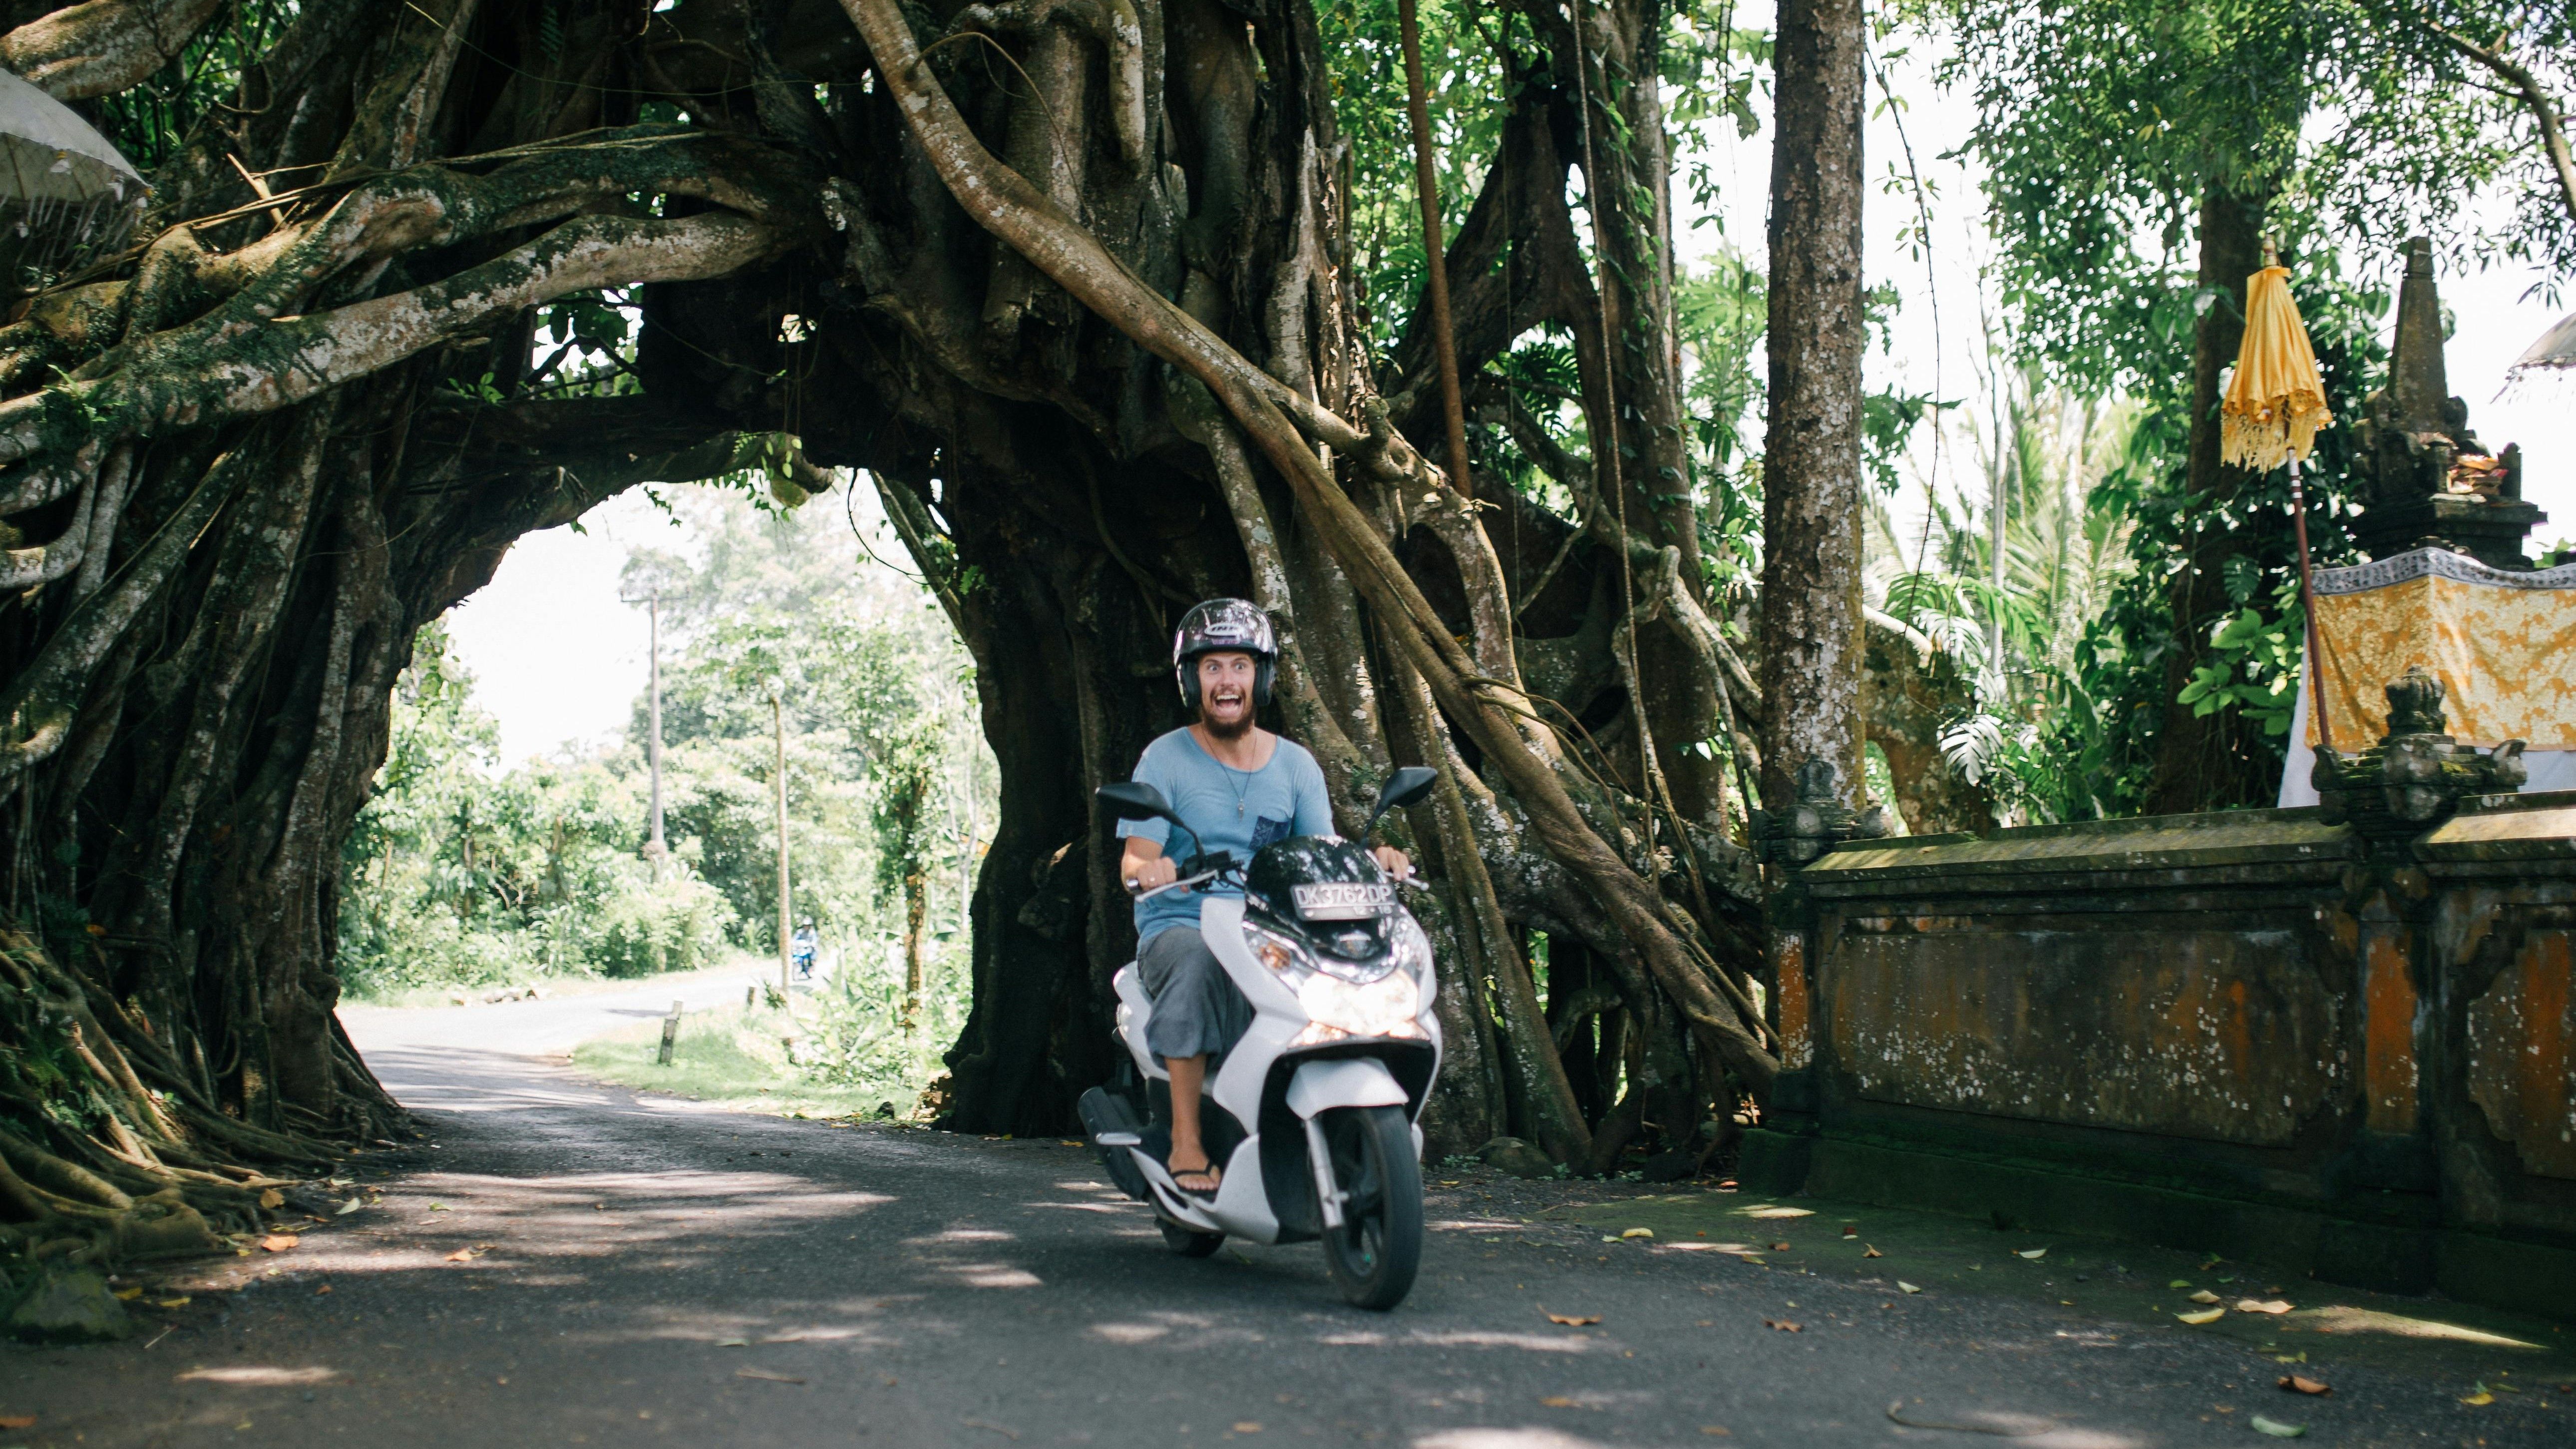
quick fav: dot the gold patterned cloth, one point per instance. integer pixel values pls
(2502, 643)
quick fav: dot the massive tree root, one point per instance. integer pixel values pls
(240, 464)
(1072, 283)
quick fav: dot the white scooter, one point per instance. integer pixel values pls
(1313, 1112)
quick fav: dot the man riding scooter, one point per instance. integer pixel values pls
(1239, 788)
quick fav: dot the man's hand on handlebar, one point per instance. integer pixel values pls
(1151, 873)
(1397, 865)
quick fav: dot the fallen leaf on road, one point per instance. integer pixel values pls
(325, 1288)
(733, 1343)
(1779, 1247)
(1559, 1401)
(27, 1421)
(170, 1302)
(2279, 1430)
(1638, 1233)
(438, 1207)
(2034, 1254)
(2204, 1296)
(278, 1242)
(766, 1376)
(2300, 1357)
(129, 1294)
(272, 1198)
(2179, 1283)
(1851, 1230)
(468, 1255)
(2206, 1315)
(1247, 1427)
(2480, 1397)
(2298, 1385)
(1782, 1324)
(1869, 1252)
(1908, 1287)
(346, 1208)
(2274, 1305)
(1572, 1320)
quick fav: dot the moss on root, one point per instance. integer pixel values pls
(100, 1166)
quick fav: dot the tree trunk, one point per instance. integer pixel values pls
(916, 908)
(1811, 484)
(2212, 761)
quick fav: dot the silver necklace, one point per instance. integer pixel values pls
(1242, 790)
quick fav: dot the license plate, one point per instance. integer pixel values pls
(1342, 900)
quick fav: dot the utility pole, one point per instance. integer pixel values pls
(778, 718)
(657, 849)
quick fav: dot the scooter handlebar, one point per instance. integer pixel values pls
(1204, 868)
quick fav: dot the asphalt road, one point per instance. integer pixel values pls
(572, 1264)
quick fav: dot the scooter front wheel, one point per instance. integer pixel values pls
(1189, 1242)
(1374, 1254)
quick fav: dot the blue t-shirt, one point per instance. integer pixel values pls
(1232, 810)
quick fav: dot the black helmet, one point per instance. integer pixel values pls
(1222, 625)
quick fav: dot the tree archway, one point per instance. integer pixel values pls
(1072, 281)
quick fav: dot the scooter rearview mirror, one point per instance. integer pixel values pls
(1405, 787)
(1136, 800)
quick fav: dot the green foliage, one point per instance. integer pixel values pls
(2420, 126)
(641, 929)
(1468, 95)
(150, 121)
(2043, 455)
(2104, 129)
(462, 875)
(856, 1038)
(40, 1065)
(2101, 124)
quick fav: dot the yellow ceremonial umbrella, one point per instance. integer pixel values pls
(2274, 405)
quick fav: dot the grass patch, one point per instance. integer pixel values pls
(733, 1055)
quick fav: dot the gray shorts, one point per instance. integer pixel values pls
(1198, 1010)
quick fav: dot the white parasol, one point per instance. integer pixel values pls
(2556, 348)
(63, 186)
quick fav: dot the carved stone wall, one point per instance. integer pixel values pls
(2346, 1047)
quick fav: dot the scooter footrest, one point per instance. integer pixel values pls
(1114, 1126)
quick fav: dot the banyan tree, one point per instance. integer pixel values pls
(1072, 282)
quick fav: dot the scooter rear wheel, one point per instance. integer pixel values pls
(1189, 1242)
(1374, 1254)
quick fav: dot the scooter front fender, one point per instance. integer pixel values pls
(1320, 1086)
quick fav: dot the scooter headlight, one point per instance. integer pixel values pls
(1384, 1007)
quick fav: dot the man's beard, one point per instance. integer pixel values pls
(1241, 726)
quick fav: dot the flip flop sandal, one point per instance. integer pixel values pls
(1214, 1174)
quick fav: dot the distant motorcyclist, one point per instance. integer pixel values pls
(802, 946)
(1239, 788)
